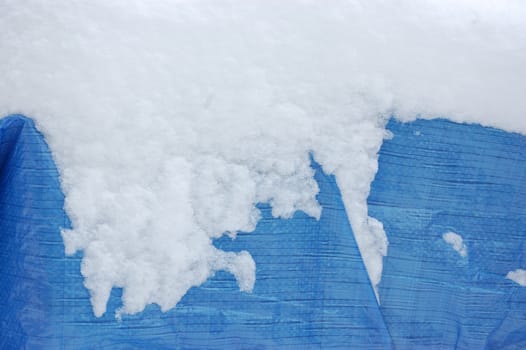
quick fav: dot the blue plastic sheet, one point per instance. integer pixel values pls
(312, 290)
(435, 177)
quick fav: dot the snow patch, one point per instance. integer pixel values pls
(170, 120)
(456, 242)
(518, 276)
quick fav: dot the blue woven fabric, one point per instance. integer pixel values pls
(32, 273)
(438, 176)
(312, 290)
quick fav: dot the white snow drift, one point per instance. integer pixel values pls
(170, 120)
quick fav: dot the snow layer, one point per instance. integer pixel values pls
(456, 242)
(170, 120)
(518, 276)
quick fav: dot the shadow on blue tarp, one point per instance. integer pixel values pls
(312, 290)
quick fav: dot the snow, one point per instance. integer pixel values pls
(170, 120)
(518, 276)
(456, 242)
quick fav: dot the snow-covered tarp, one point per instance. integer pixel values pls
(312, 288)
(175, 125)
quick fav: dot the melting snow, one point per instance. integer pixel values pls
(170, 120)
(518, 276)
(456, 242)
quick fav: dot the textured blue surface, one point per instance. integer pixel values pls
(438, 176)
(32, 268)
(312, 290)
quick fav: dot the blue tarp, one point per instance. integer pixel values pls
(438, 176)
(312, 290)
